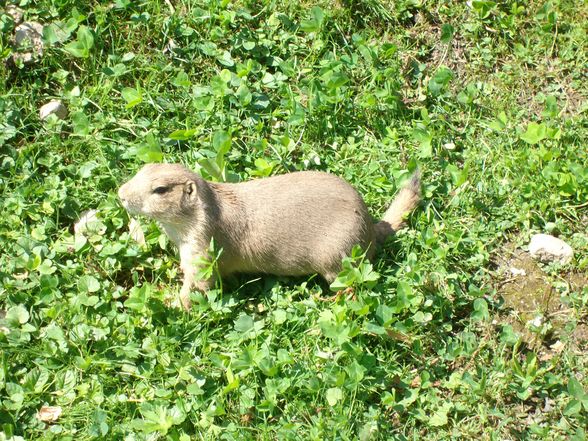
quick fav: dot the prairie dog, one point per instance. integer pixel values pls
(293, 224)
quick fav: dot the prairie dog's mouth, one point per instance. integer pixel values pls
(125, 204)
(131, 208)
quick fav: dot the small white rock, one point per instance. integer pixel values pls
(3, 329)
(87, 217)
(49, 413)
(31, 31)
(537, 321)
(30, 36)
(558, 347)
(449, 146)
(550, 249)
(54, 107)
(15, 12)
(518, 272)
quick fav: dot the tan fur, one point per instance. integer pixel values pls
(294, 224)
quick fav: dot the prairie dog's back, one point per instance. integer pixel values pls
(297, 218)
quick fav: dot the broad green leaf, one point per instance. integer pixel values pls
(314, 23)
(79, 242)
(574, 407)
(83, 44)
(421, 317)
(334, 395)
(211, 167)
(484, 8)
(181, 79)
(424, 138)
(459, 175)
(221, 141)
(17, 315)
(46, 267)
(344, 280)
(116, 71)
(55, 33)
(467, 95)
(88, 284)
(375, 329)
(54, 332)
(182, 135)
(99, 426)
(157, 418)
(226, 75)
(480, 310)
(337, 80)
(551, 110)
(439, 418)
(553, 133)
(508, 335)
(499, 123)
(355, 372)
(226, 59)
(218, 86)
(149, 150)
(405, 298)
(80, 123)
(86, 300)
(204, 102)
(244, 323)
(138, 297)
(268, 367)
(132, 97)
(297, 116)
(85, 170)
(248, 45)
(262, 167)
(35, 380)
(244, 95)
(447, 32)
(385, 315)
(579, 435)
(440, 80)
(535, 133)
(280, 316)
(575, 389)
(260, 101)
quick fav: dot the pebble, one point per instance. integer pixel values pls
(15, 12)
(550, 249)
(54, 107)
(517, 271)
(28, 34)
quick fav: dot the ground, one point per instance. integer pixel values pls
(436, 338)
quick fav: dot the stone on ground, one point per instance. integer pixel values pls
(547, 248)
(53, 107)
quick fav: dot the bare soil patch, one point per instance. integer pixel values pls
(532, 301)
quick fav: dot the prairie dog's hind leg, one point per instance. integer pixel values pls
(330, 276)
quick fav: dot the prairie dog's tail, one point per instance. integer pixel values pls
(405, 201)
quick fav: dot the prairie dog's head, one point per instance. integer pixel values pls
(164, 192)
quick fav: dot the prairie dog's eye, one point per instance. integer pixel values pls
(162, 189)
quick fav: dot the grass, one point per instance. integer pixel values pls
(489, 100)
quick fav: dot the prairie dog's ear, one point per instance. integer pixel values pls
(190, 189)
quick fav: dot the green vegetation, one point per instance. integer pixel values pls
(488, 99)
